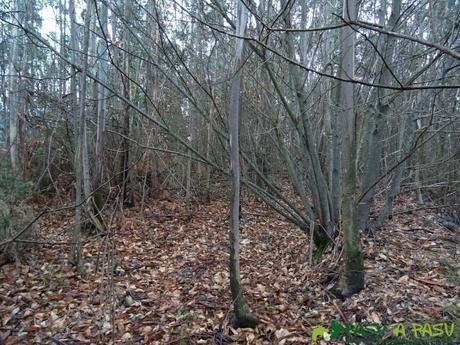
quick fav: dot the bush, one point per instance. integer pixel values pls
(13, 190)
(15, 215)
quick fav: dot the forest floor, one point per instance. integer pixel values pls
(170, 282)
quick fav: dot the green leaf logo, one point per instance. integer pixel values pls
(318, 331)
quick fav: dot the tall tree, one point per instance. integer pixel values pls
(126, 81)
(82, 180)
(14, 90)
(352, 279)
(243, 315)
(102, 69)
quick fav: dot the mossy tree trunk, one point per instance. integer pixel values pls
(352, 280)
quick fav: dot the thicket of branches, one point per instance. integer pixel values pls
(129, 100)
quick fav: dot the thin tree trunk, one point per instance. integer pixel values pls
(126, 112)
(75, 248)
(62, 34)
(208, 154)
(244, 318)
(336, 163)
(81, 154)
(418, 163)
(101, 110)
(188, 182)
(14, 92)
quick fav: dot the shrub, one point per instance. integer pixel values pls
(15, 215)
(13, 190)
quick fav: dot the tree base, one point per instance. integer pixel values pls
(247, 320)
(343, 292)
(322, 242)
(350, 283)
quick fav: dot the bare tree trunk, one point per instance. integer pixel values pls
(86, 59)
(14, 90)
(418, 163)
(23, 107)
(209, 138)
(82, 180)
(188, 181)
(352, 279)
(243, 315)
(75, 248)
(153, 84)
(126, 112)
(101, 109)
(62, 34)
(336, 163)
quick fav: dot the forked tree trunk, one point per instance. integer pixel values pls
(319, 190)
(243, 316)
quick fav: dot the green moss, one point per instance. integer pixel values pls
(353, 276)
(322, 241)
(243, 316)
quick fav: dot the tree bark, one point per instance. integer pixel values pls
(14, 90)
(75, 248)
(101, 109)
(81, 153)
(352, 279)
(124, 162)
(243, 316)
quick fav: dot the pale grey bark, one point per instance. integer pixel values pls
(244, 318)
(83, 89)
(75, 248)
(14, 92)
(418, 162)
(101, 104)
(81, 153)
(209, 142)
(62, 35)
